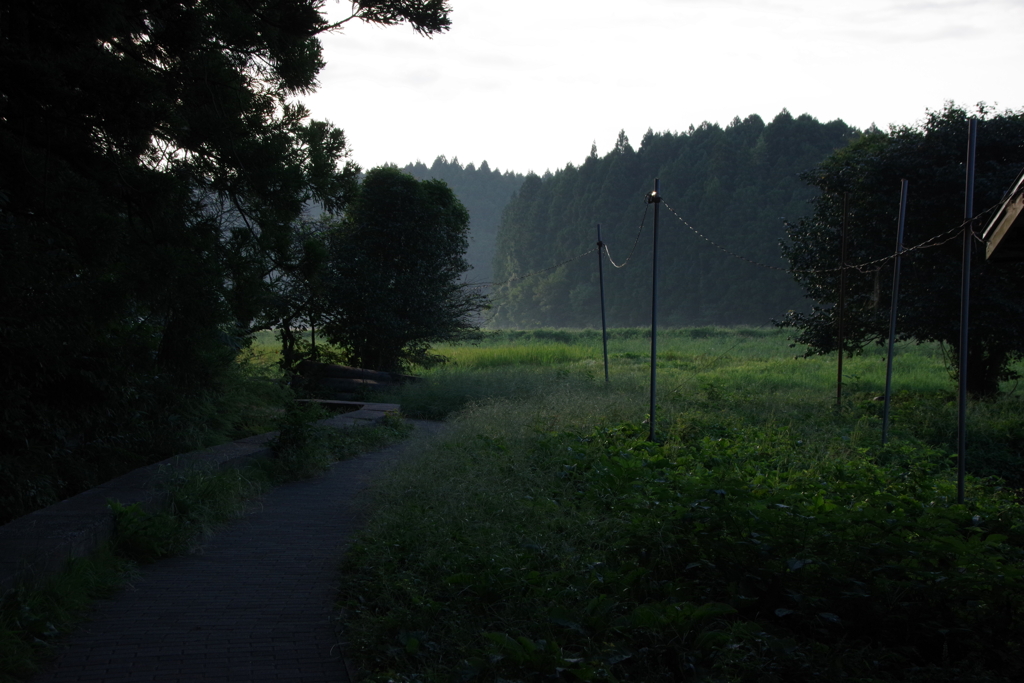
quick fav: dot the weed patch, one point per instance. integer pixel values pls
(33, 620)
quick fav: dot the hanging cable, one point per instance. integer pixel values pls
(636, 241)
(864, 267)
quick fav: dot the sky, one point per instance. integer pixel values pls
(530, 85)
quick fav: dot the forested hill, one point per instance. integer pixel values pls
(735, 185)
(484, 193)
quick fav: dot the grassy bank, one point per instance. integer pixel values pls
(765, 537)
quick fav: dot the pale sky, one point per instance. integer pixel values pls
(530, 84)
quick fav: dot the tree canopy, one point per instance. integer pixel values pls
(155, 162)
(377, 286)
(484, 192)
(397, 267)
(932, 157)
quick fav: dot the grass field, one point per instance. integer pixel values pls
(765, 536)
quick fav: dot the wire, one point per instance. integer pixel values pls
(865, 267)
(636, 241)
(602, 246)
(929, 243)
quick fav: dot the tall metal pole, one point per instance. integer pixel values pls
(965, 309)
(600, 277)
(892, 311)
(654, 198)
(842, 302)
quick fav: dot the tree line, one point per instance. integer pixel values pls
(737, 185)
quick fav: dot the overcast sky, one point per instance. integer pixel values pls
(530, 84)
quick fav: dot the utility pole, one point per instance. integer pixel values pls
(654, 198)
(842, 301)
(600, 277)
(892, 310)
(965, 309)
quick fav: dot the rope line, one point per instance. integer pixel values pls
(864, 267)
(636, 241)
(603, 247)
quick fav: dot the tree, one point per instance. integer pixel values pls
(154, 164)
(397, 260)
(932, 157)
(484, 193)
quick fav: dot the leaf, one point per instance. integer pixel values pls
(783, 612)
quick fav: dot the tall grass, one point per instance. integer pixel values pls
(543, 538)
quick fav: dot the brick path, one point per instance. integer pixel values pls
(254, 605)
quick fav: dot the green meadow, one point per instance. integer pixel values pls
(765, 535)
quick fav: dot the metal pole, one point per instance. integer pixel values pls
(600, 277)
(842, 302)
(654, 198)
(965, 309)
(892, 311)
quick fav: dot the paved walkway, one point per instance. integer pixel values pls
(254, 605)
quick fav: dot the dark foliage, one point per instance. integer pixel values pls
(484, 193)
(376, 287)
(397, 267)
(932, 157)
(153, 166)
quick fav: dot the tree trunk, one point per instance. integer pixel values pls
(985, 370)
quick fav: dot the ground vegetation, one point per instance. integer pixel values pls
(765, 536)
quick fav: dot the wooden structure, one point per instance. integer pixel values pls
(340, 382)
(1004, 236)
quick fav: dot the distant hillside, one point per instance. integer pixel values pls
(735, 185)
(484, 193)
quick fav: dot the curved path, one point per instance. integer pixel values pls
(254, 605)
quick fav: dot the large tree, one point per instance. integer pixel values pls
(932, 157)
(153, 161)
(396, 272)
(485, 193)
